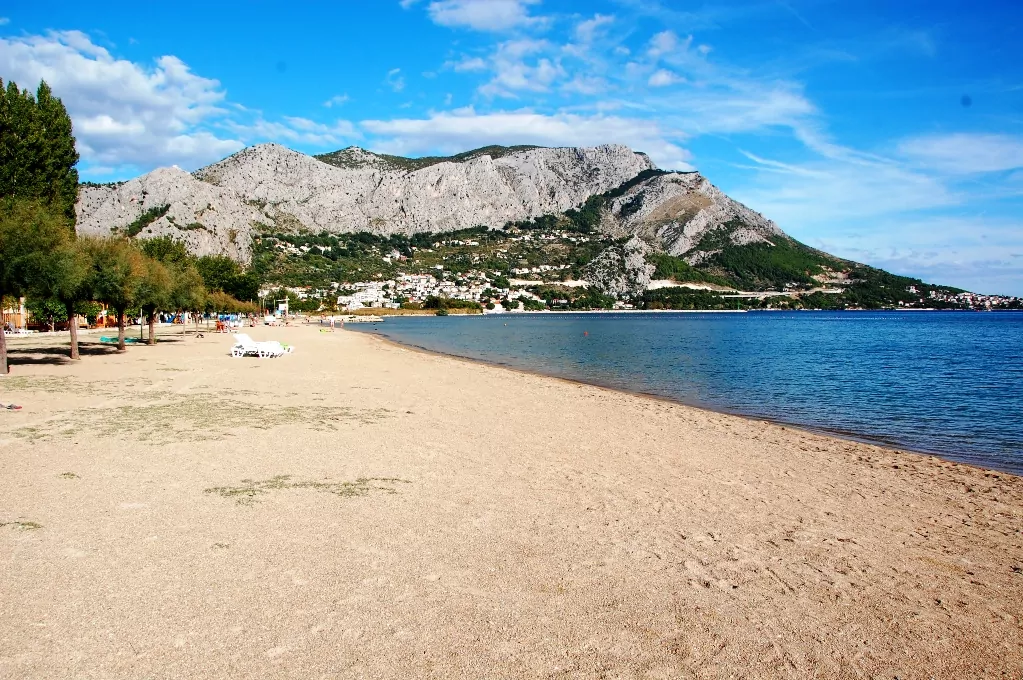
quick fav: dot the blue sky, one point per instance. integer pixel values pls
(889, 133)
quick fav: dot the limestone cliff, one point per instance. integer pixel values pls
(215, 209)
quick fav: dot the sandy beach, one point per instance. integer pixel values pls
(358, 509)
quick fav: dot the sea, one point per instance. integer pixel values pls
(945, 383)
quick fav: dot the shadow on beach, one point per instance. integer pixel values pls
(57, 355)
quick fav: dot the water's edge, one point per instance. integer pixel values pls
(894, 447)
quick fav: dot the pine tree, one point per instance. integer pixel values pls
(37, 149)
(55, 164)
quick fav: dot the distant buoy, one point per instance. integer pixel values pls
(586, 332)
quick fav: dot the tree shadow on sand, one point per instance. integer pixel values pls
(56, 355)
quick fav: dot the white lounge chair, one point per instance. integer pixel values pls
(246, 346)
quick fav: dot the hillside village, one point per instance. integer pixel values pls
(493, 271)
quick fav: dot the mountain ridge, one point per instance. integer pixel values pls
(650, 224)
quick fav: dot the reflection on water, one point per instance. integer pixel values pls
(945, 382)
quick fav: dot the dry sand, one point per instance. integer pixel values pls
(506, 525)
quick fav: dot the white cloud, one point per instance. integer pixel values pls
(965, 153)
(395, 80)
(517, 67)
(297, 130)
(468, 64)
(405, 4)
(666, 43)
(663, 77)
(588, 29)
(4, 21)
(483, 15)
(336, 100)
(454, 131)
(124, 113)
(587, 85)
(736, 106)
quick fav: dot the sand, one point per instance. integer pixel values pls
(358, 509)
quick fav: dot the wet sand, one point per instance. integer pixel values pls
(358, 509)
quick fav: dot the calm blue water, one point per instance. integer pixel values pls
(949, 383)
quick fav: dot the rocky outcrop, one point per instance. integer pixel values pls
(206, 218)
(685, 215)
(621, 271)
(285, 189)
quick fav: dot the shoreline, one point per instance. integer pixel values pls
(894, 447)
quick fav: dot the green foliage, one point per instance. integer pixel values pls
(221, 302)
(760, 266)
(29, 230)
(118, 267)
(147, 217)
(876, 288)
(683, 298)
(443, 303)
(37, 149)
(221, 273)
(48, 310)
(441, 312)
(65, 274)
(166, 250)
(677, 269)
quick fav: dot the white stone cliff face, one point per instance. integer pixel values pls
(674, 212)
(214, 211)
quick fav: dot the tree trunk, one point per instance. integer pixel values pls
(3, 348)
(120, 330)
(152, 329)
(72, 326)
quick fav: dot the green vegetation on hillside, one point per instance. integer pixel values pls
(763, 266)
(677, 269)
(144, 220)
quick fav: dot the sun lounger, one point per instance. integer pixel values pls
(246, 346)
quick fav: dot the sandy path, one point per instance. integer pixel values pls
(511, 526)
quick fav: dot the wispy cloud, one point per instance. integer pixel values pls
(965, 153)
(483, 15)
(587, 30)
(4, 21)
(663, 78)
(336, 100)
(395, 80)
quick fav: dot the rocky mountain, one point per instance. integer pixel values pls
(215, 209)
(637, 226)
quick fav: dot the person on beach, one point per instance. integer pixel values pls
(331, 324)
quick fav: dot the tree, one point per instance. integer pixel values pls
(221, 273)
(55, 166)
(37, 149)
(118, 268)
(28, 232)
(167, 250)
(48, 310)
(65, 275)
(188, 293)
(154, 293)
(219, 301)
